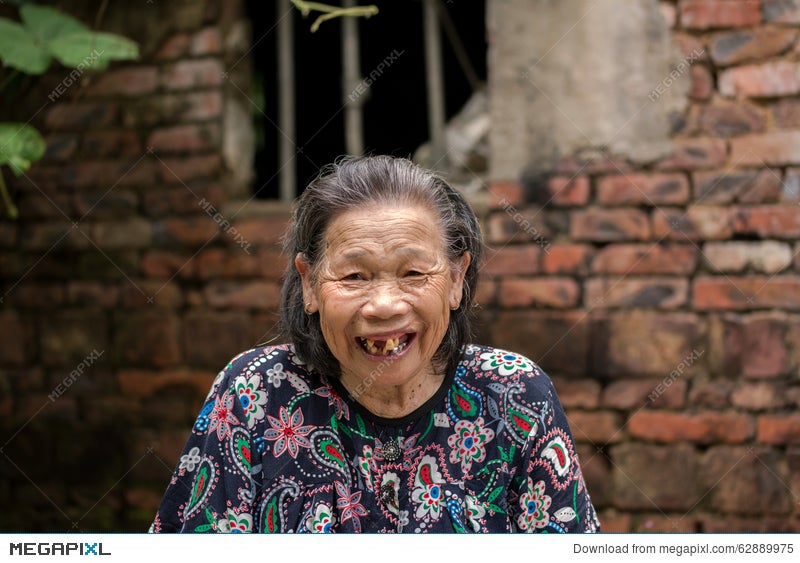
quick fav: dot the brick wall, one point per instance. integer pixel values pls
(664, 298)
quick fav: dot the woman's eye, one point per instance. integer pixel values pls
(353, 277)
(414, 274)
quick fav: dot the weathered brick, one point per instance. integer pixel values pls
(70, 336)
(207, 41)
(756, 346)
(726, 186)
(702, 83)
(550, 292)
(128, 233)
(755, 292)
(726, 119)
(111, 143)
(145, 384)
(609, 225)
(80, 115)
(739, 46)
(60, 147)
(184, 169)
(166, 264)
(694, 153)
(707, 14)
(525, 224)
(196, 73)
(567, 190)
(175, 46)
(566, 259)
(744, 480)
(648, 476)
(16, 343)
(487, 292)
(512, 260)
(697, 222)
(27, 294)
(243, 295)
(766, 257)
(711, 394)
(779, 430)
(767, 221)
(212, 338)
(786, 113)
(635, 292)
(659, 258)
(759, 396)
(766, 149)
(100, 204)
(690, 46)
(503, 194)
(642, 189)
(127, 171)
(91, 293)
(178, 231)
(262, 231)
(557, 341)
(58, 234)
(577, 393)
(142, 294)
(223, 263)
(179, 199)
(128, 81)
(38, 206)
(781, 11)
(595, 427)
(633, 394)
(185, 138)
(147, 339)
(596, 471)
(790, 189)
(703, 428)
(618, 349)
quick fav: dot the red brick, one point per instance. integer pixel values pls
(243, 295)
(707, 14)
(578, 393)
(262, 231)
(176, 46)
(51, 235)
(512, 225)
(741, 293)
(767, 221)
(712, 395)
(122, 233)
(759, 396)
(556, 340)
(609, 225)
(568, 190)
(642, 189)
(592, 161)
(694, 153)
(698, 222)
(207, 41)
(690, 46)
(618, 349)
(726, 119)
(566, 259)
(90, 293)
(213, 337)
(596, 427)
(195, 73)
(16, 344)
(179, 199)
(739, 46)
(38, 206)
(129, 81)
(756, 346)
(781, 11)
(185, 138)
(768, 257)
(767, 149)
(632, 394)
(69, 337)
(147, 339)
(635, 292)
(187, 168)
(615, 522)
(786, 113)
(512, 260)
(81, 115)
(548, 292)
(140, 294)
(656, 258)
(106, 174)
(60, 148)
(702, 83)
(766, 80)
(705, 428)
(166, 264)
(727, 186)
(145, 384)
(222, 263)
(101, 204)
(502, 194)
(198, 230)
(112, 143)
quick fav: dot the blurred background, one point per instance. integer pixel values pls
(635, 165)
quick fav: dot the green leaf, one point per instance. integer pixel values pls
(495, 493)
(46, 23)
(92, 50)
(19, 49)
(20, 146)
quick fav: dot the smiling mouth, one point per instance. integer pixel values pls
(388, 347)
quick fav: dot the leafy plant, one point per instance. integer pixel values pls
(45, 34)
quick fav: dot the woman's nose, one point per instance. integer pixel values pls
(385, 300)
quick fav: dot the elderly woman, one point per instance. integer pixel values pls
(379, 415)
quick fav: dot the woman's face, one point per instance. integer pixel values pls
(384, 290)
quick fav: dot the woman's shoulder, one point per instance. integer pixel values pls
(499, 369)
(271, 362)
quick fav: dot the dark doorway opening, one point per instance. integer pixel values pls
(395, 112)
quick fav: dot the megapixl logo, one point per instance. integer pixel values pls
(57, 548)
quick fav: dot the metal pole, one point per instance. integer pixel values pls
(286, 97)
(351, 76)
(435, 83)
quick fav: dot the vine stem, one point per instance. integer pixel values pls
(11, 209)
(330, 12)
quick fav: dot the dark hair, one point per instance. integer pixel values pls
(352, 182)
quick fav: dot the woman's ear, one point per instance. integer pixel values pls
(309, 295)
(458, 274)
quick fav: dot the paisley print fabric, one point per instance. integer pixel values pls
(279, 448)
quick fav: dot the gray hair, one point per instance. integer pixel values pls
(352, 182)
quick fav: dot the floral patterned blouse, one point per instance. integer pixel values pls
(280, 448)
